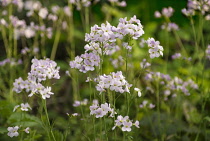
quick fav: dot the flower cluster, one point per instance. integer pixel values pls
(23, 30)
(177, 84)
(13, 131)
(176, 56)
(208, 52)
(108, 33)
(117, 62)
(36, 7)
(85, 62)
(202, 6)
(166, 12)
(170, 26)
(147, 104)
(125, 123)
(101, 111)
(102, 41)
(81, 3)
(115, 82)
(118, 3)
(10, 61)
(179, 56)
(142, 43)
(79, 103)
(41, 70)
(155, 49)
(170, 86)
(144, 64)
(18, 3)
(23, 107)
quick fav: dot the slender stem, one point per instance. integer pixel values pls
(167, 50)
(87, 19)
(94, 128)
(11, 71)
(57, 38)
(10, 33)
(180, 43)
(43, 50)
(48, 120)
(114, 101)
(124, 136)
(158, 103)
(83, 19)
(195, 35)
(126, 74)
(203, 102)
(15, 47)
(101, 128)
(4, 36)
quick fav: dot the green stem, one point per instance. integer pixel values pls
(49, 128)
(11, 99)
(83, 19)
(195, 36)
(101, 129)
(15, 47)
(87, 20)
(167, 50)
(158, 103)
(114, 101)
(57, 38)
(42, 46)
(4, 36)
(10, 33)
(180, 43)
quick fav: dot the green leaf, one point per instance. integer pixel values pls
(58, 135)
(207, 118)
(3, 130)
(23, 119)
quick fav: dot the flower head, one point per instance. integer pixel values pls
(13, 131)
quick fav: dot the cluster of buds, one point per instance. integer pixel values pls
(166, 12)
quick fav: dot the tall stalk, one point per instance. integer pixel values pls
(57, 38)
(48, 127)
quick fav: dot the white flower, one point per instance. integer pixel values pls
(25, 107)
(46, 93)
(139, 91)
(27, 130)
(13, 131)
(15, 108)
(43, 13)
(155, 49)
(99, 113)
(29, 32)
(127, 126)
(75, 114)
(136, 124)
